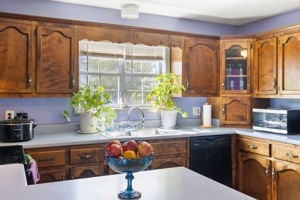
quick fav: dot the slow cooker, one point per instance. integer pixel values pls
(17, 130)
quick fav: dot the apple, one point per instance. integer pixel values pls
(113, 142)
(130, 145)
(114, 150)
(144, 149)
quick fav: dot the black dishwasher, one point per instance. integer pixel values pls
(211, 157)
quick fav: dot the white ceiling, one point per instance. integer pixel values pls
(235, 12)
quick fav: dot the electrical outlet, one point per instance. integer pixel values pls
(196, 111)
(9, 114)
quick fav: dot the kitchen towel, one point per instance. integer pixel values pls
(206, 115)
(32, 171)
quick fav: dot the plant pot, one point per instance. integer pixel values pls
(88, 123)
(168, 119)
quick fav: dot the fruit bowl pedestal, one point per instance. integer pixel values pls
(129, 166)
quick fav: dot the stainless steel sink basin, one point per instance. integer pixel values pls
(130, 133)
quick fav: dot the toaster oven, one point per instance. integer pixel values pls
(284, 121)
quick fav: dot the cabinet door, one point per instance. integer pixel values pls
(236, 110)
(55, 59)
(286, 180)
(289, 64)
(52, 175)
(265, 67)
(17, 73)
(86, 171)
(201, 67)
(235, 66)
(151, 39)
(253, 176)
(166, 162)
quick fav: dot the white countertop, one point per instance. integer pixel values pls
(65, 136)
(177, 183)
(11, 176)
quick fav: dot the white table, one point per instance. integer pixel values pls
(164, 184)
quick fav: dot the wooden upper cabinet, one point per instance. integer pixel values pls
(236, 61)
(17, 67)
(265, 67)
(152, 39)
(289, 64)
(201, 67)
(55, 59)
(236, 110)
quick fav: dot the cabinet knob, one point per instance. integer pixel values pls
(291, 155)
(223, 84)
(252, 147)
(187, 85)
(267, 171)
(86, 156)
(274, 83)
(29, 80)
(223, 110)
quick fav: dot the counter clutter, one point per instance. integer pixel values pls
(164, 184)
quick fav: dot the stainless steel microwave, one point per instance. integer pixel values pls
(284, 121)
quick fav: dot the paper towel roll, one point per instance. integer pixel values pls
(206, 115)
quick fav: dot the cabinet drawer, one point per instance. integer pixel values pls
(52, 175)
(254, 146)
(49, 158)
(286, 153)
(169, 147)
(86, 155)
(86, 171)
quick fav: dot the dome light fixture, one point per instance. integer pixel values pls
(130, 11)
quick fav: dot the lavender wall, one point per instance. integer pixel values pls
(287, 19)
(111, 16)
(48, 110)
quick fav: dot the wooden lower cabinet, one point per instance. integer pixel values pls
(286, 180)
(172, 161)
(52, 175)
(86, 171)
(253, 175)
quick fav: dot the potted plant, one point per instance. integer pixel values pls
(160, 97)
(92, 105)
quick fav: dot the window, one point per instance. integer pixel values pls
(126, 71)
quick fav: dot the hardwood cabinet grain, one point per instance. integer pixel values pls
(55, 59)
(16, 57)
(265, 66)
(201, 67)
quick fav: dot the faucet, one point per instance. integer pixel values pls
(129, 113)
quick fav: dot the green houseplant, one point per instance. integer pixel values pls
(160, 97)
(92, 105)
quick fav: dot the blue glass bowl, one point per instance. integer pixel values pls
(122, 165)
(128, 166)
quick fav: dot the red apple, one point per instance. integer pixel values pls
(130, 145)
(114, 150)
(113, 142)
(144, 149)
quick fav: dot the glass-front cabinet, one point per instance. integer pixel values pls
(235, 65)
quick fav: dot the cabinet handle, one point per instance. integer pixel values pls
(252, 147)
(223, 84)
(267, 171)
(187, 84)
(72, 82)
(63, 178)
(291, 155)
(273, 171)
(223, 110)
(86, 156)
(29, 80)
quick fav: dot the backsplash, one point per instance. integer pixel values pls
(48, 110)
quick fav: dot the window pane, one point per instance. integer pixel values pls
(134, 83)
(109, 65)
(149, 83)
(134, 98)
(83, 63)
(110, 82)
(92, 64)
(93, 80)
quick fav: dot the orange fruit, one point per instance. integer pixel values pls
(129, 154)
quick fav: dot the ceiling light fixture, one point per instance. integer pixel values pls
(130, 11)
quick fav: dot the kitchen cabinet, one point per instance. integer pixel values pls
(51, 163)
(56, 48)
(236, 110)
(169, 153)
(236, 62)
(16, 53)
(268, 169)
(253, 168)
(86, 161)
(265, 66)
(288, 64)
(201, 66)
(152, 39)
